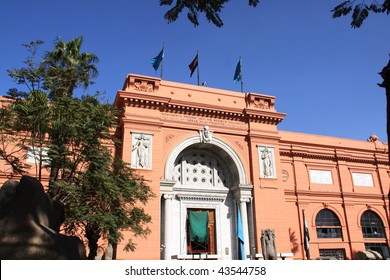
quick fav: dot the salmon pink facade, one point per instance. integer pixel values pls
(230, 185)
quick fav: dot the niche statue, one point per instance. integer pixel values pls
(268, 244)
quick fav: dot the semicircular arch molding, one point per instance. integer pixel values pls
(331, 208)
(219, 147)
(376, 211)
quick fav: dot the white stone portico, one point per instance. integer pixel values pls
(205, 175)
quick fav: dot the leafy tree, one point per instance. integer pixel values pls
(101, 193)
(360, 10)
(22, 122)
(11, 144)
(31, 119)
(211, 8)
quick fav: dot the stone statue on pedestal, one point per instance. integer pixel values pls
(268, 245)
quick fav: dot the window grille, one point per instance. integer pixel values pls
(328, 224)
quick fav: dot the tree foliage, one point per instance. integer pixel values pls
(11, 144)
(360, 10)
(211, 9)
(67, 68)
(72, 139)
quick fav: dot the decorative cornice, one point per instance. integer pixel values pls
(312, 194)
(143, 92)
(141, 100)
(263, 116)
(337, 195)
(203, 110)
(201, 197)
(331, 156)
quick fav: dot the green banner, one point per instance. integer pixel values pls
(198, 226)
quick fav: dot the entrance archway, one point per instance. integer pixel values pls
(204, 177)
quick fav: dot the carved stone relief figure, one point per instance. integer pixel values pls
(205, 135)
(261, 103)
(268, 245)
(141, 151)
(267, 162)
(143, 86)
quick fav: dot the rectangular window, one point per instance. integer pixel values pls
(362, 179)
(33, 155)
(332, 254)
(201, 231)
(329, 232)
(321, 177)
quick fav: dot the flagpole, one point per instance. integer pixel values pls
(306, 237)
(197, 54)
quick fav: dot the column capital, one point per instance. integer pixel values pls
(168, 196)
(242, 192)
(166, 186)
(244, 199)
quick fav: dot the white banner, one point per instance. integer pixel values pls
(187, 270)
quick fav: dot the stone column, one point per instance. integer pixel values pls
(243, 194)
(168, 226)
(244, 218)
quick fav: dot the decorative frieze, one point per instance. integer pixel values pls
(145, 86)
(201, 197)
(260, 101)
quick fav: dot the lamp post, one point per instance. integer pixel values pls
(385, 74)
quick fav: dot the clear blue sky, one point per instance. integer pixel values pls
(323, 73)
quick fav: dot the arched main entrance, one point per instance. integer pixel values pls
(206, 181)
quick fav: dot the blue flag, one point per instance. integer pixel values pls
(238, 74)
(240, 235)
(156, 61)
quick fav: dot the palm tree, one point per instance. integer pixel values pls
(67, 68)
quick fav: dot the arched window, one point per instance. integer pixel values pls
(202, 169)
(372, 225)
(328, 224)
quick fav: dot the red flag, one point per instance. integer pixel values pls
(193, 65)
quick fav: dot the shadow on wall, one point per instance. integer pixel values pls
(293, 241)
(30, 223)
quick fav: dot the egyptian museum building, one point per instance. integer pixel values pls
(216, 157)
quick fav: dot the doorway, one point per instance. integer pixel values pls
(200, 231)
